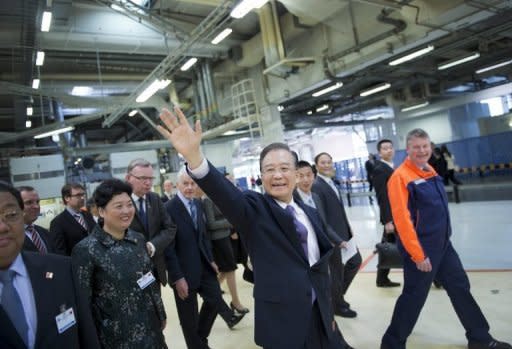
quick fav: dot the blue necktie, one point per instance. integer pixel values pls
(12, 305)
(142, 213)
(193, 212)
(302, 231)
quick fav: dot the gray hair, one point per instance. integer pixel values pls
(416, 133)
(182, 172)
(139, 162)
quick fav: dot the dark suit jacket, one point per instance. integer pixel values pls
(161, 231)
(66, 232)
(45, 235)
(50, 293)
(190, 254)
(335, 214)
(282, 275)
(331, 234)
(381, 174)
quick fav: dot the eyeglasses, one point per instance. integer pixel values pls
(270, 171)
(10, 217)
(143, 179)
(78, 195)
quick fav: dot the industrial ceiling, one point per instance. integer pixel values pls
(114, 49)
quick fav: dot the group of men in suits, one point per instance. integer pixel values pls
(29, 317)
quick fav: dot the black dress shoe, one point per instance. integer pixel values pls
(388, 283)
(345, 312)
(235, 319)
(238, 311)
(494, 344)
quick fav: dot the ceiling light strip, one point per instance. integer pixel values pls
(459, 61)
(151, 90)
(415, 106)
(55, 132)
(322, 108)
(188, 64)
(328, 89)
(375, 89)
(46, 21)
(40, 58)
(412, 55)
(221, 36)
(495, 66)
(245, 7)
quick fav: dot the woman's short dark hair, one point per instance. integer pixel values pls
(7, 188)
(108, 189)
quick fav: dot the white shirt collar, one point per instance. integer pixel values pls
(390, 164)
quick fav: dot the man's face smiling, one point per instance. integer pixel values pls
(279, 174)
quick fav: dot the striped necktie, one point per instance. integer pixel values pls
(36, 239)
(80, 219)
(11, 303)
(193, 212)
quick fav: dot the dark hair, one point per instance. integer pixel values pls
(303, 164)
(7, 188)
(416, 133)
(444, 150)
(25, 188)
(90, 203)
(108, 189)
(317, 157)
(67, 188)
(382, 141)
(276, 146)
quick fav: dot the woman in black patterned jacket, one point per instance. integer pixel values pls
(114, 270)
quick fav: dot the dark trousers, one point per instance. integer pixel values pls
(447, 268)
(342, 275)
(196, 326)
(316, 337)
(382, 274)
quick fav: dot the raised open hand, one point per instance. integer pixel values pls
(181, 135)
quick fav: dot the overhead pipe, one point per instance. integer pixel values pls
(202, 98)
(211, 89)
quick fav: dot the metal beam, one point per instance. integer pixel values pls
(170, 64)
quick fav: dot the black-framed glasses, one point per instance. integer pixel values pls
(143, 178)
(10, 217)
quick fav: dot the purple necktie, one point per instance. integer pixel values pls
(80, 220)
(302, 231)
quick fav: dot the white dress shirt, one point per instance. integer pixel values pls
(23, 286)
(307, 198)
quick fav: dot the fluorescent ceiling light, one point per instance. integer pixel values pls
(188, 64)
(375, 89)
(310, 112)
(327, 89)
(415, 106)
(30, 111)
(412, 55)
(458, 61)
(376, 116)
(35, 83)
(151, 90)
(132, 113)
(245, 7)
(46, 22)
(322, 108)
(55, 132)
(280, 108)
(81, 91)
(40, 58)
(222, 35)
(28, 124)
(499, 65)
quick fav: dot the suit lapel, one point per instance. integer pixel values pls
(71, 220)
(139, 220)
(286, 224)
(323, 243)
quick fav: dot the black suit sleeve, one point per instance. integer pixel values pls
(58, 236)
(380, 180)
(167, 227)
(171, 259)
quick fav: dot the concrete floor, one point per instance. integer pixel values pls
(483, 237)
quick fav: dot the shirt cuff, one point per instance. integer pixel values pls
(200, 171)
